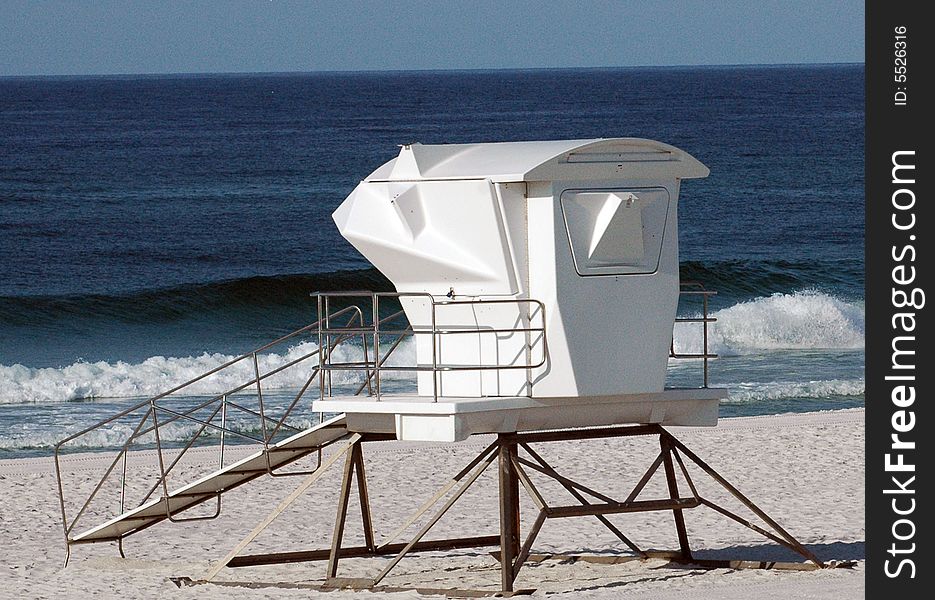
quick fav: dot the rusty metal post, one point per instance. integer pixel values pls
(666, 448)
(509, 511)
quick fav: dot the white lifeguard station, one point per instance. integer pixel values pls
(539, 284)
(540, 281)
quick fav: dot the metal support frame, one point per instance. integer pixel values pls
(156, 413)
(514, 551)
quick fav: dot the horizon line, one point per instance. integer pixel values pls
(427, 70)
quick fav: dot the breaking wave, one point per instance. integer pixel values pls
(798, 321)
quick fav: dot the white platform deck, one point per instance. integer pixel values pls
(453, 419)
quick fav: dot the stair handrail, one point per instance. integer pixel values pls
(154, 408)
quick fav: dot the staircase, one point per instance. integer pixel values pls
(191, 419)
(211, 486)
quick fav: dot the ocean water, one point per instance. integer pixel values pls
(153, 227)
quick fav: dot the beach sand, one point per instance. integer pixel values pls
(804, 470)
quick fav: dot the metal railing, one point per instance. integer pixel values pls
(696, 288)
(528, 311)
(213, 414)
(214, 417)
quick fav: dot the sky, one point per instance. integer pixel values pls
(84, 37)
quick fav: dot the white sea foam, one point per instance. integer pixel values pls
(754, 391)
(21, 384)
(798, 321)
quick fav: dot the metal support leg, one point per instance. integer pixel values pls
(514, 493)
(674, 495)
(302, 487)
(364, 496)
(341, 518)
(509, 514)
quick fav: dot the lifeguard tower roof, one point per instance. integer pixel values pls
(504, 162)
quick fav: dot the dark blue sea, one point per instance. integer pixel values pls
(151, 227)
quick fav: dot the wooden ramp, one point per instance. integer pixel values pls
(210, 486)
